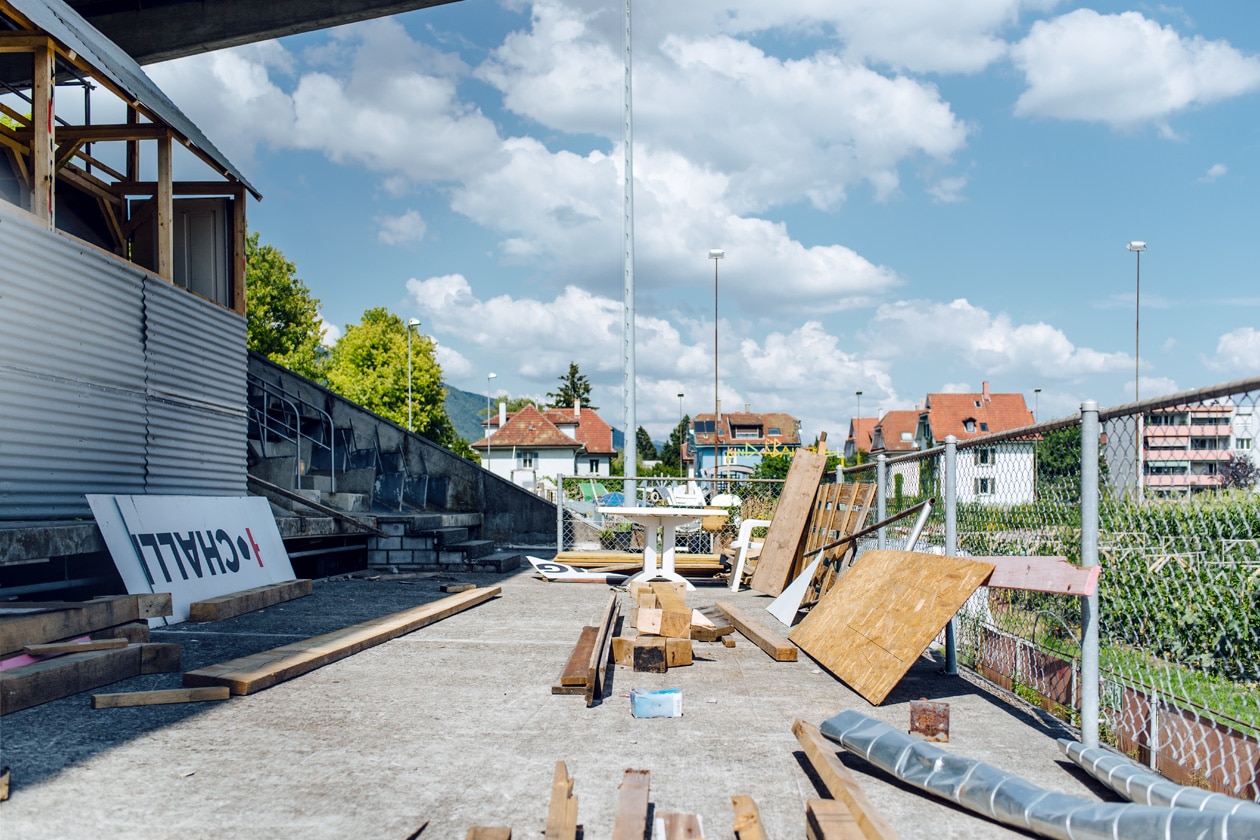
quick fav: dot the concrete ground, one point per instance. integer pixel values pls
(456, 724)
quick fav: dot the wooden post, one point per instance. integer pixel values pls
(43, 136)
(165, 211)
(240, 267)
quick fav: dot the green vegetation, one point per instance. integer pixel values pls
(574, 388)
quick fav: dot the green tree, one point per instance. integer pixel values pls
(773, 466)
(671, 452)
(644, 448)
(282, 320)
(368, 365)
(860, 456)
(574, 388)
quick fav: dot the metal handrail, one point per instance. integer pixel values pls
(270, 389)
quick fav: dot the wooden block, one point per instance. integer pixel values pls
(646, 599)
(52, 679)
(677, 652)
(262, 670)
(727, 641)
(574, 672)
(648, 620)
(623, 650)
(159, 658)
(249, 600)
(573, 690)
(488, 832)
(708, 624)
(681, 826)
(562, 811)
(747, 819)
(785, 537)
(159, 698)
(840, 782)
(650, 655)
(870, 630)
(454, 588)
(4, 784)
(827, 819)
(74, 647)
(632, 806)
(135, 632)
(74, 619)
(597, 667)
(675, 614)
(778, 648)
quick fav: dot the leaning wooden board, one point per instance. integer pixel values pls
(786, 535)
(869, 629)
(263, 670)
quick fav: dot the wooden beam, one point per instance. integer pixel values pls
(251, 674)
(56, 648)
(827, 819)
(632, 806)
(249, 600)
(240, 268)
(42, 135)
(675, 614)
(52, 679)
(161, 697)
(208, 188)
(165, 212)
(681, 826)
(778, 648)
(111, 133)
(18, 117)
(840, 783)
(24, 42)
(74, 619)
(562, 811)
(747, 819)
(597, 665)
(486, 832)
(576, 670)
(1042, 574)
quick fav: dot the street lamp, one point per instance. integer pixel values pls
(1036, 401)
(489, 378)
(858, 394)
(715, 254)
(680, 413)
(411, 322)
(1137, 248)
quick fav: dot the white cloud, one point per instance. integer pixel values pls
(1237, 352)
(1215, 171)
(329, 332)
(989, 343)
(1125, 70)
(400, 230)
(948, 190)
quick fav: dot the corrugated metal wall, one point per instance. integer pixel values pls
(110, 381)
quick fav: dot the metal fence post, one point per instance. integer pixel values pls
(881, 498)
(559, 513)
(1089, 557)
(951, 539)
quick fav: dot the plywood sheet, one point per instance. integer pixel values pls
(870, 630)
(786, 535)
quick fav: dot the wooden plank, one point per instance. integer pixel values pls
(1042, 574)
(596, 668)
(165, 232)
(778, 648)
(648, 620)
(135, 632)
(840, 783)
(68, 620)
(43, 134)
(52, 679)
(717, 626)
(162, 697)
(632, 806)
(678, 652)
(786, 534)
(827, 819)
(254, 673)
(248, 600)
(747, 819)
(74, 647)
(681, 826)
(575, 670)
(453, 588)
(869, 631)
(488, 832)
(675, 614)
(562, 811)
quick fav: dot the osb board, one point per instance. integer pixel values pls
(786, 534)
(870, 628)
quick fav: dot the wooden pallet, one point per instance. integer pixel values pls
(785, 538)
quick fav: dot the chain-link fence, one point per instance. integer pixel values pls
(1176, 529)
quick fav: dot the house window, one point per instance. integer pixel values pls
(774, 431)
(984, 427)
(594, 466)
(985, 455)
(526, 459)
(1243, 443)
(969, 425)
(984, 487)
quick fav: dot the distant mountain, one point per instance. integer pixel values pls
(468, 410)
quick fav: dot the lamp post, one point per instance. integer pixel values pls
(715, 254)
(680, 413)
(1137, 248)
(858, 394)
(489, 378)
(411, 322)
(1036, 401)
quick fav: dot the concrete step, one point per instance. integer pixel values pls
(447, 537)
(471, 549)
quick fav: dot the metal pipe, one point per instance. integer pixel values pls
(881, 502)
(951, 541)
(1089, 557)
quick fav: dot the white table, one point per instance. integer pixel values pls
(667, 519)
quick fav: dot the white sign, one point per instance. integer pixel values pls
(194, 547)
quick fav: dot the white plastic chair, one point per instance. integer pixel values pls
(745, 546)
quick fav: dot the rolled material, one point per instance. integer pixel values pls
(1013, 801)
(1139, 784)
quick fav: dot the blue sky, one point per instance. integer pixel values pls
(913, 196)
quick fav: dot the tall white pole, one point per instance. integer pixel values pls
(411, 322)
(629, 418)
(489, 378)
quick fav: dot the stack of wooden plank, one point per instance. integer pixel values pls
(53, 650)
(585, 671)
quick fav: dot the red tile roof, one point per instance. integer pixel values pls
(861, 432)
(891, 427)
(592, 431)
(948, 414)
(788, 426)
(528, 427)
